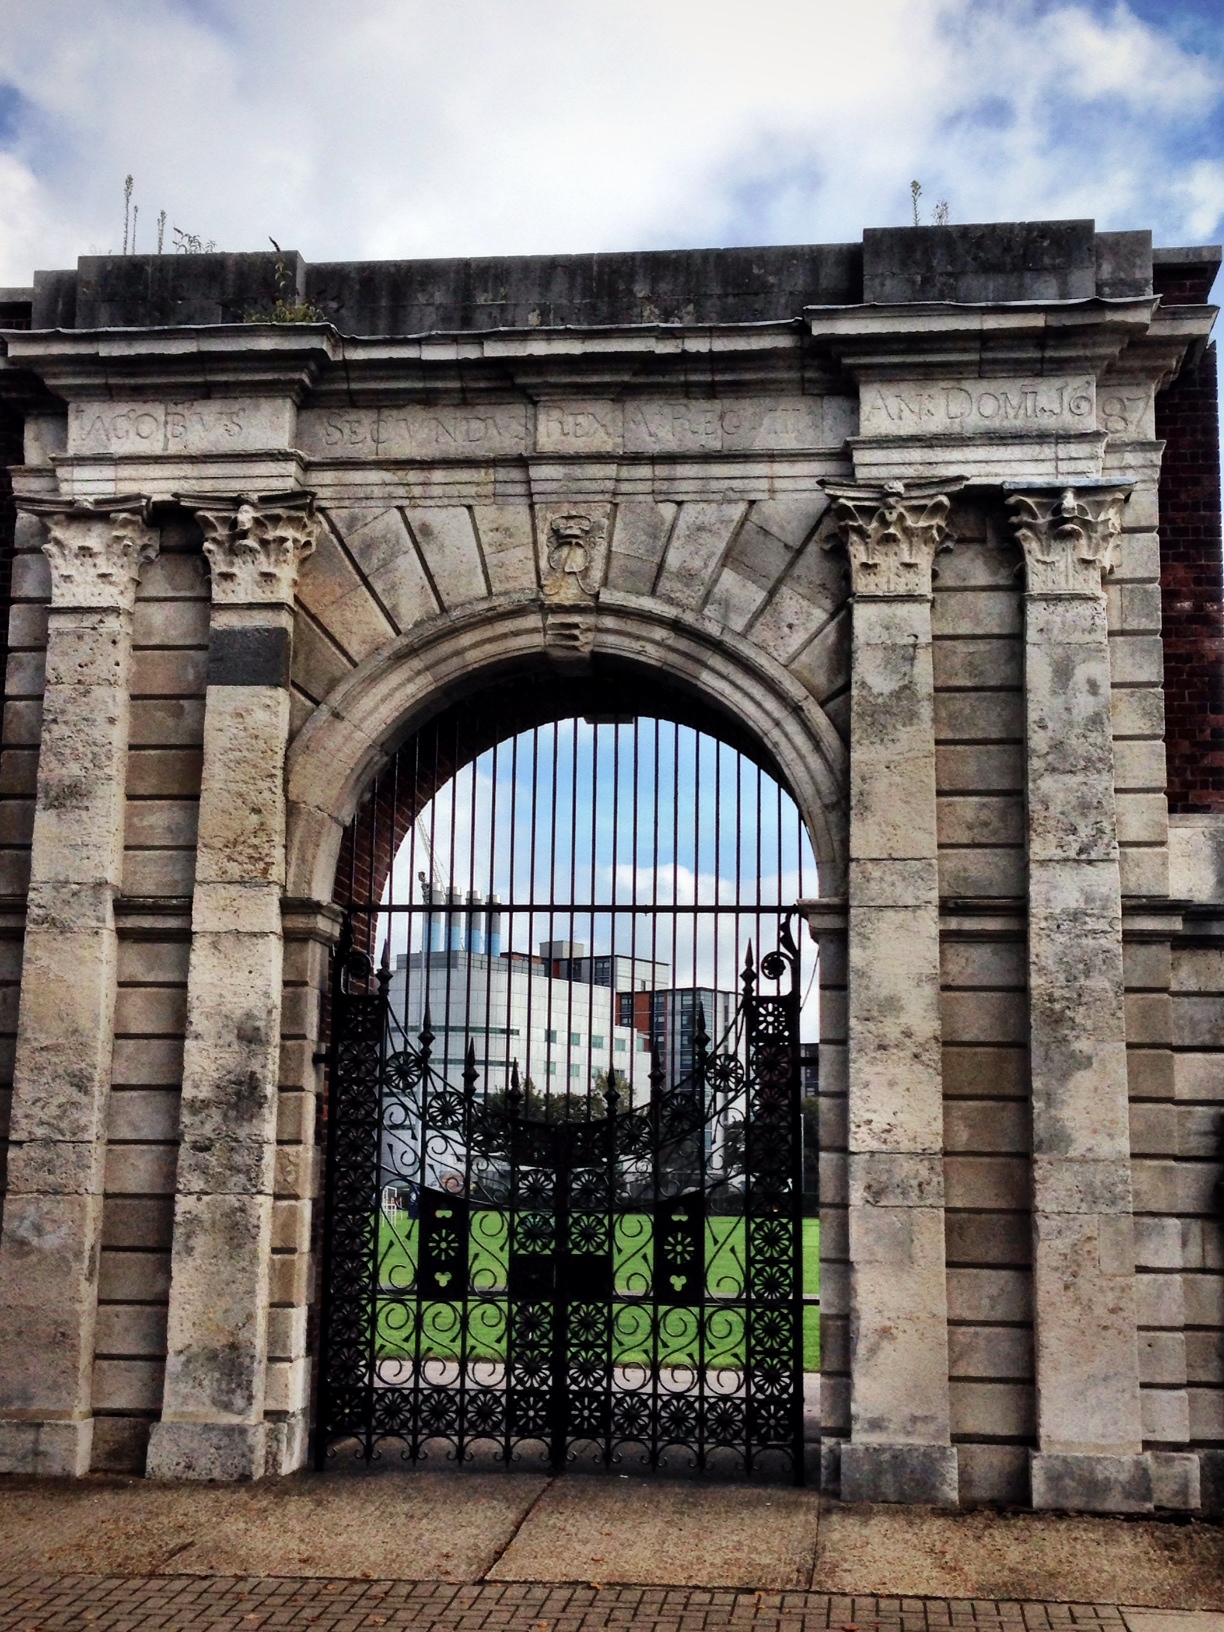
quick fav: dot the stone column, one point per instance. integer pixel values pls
(212, 1424)
(53, 1210)
(1088, 1418)
(900, 1446)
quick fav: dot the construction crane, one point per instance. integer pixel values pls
(435, 872)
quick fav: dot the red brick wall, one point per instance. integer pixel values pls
(1191, 577)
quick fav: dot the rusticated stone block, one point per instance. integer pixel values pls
(120, 1445)
(1211, 1476)
(1176, 1483)
(925, 1474)
(207, 1451)
(49, 1449)
(1092, 1483)
(218, 1310)
(997, 1475)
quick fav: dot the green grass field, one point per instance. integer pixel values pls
(482, 1331)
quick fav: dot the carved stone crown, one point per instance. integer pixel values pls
(892, 534)
(256, 546)
(1069, 537)
(96, 550)
(573, 574)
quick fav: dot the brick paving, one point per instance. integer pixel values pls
(181, 1603)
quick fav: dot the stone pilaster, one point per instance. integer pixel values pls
(900, 1445)
(212, 1424)
(53, 1211)
(1088, 1417)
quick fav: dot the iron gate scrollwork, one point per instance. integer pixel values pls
(505, 1283)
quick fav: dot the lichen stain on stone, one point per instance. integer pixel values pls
(242, 1095)
(880, 716)
(37, 1231)
(222, 1374)
(73, 793)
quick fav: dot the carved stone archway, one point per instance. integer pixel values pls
(340, 748)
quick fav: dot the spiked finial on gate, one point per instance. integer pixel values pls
(427, 1033)
(658, 1071)
(748, 979)
(611, 1093)
(514, 1099)
(701, 1045)
(470, 1073)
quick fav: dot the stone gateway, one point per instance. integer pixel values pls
(930, 523)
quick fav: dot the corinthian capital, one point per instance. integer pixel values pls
(1069, 537)
(892, 534)
(256, 546)
(96, 549)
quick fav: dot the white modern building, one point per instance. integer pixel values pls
(562, 1029)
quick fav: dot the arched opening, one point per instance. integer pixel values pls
(571, 1022)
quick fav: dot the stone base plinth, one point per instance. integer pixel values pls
(52, 1449)
(924, 1474)
(288, 1443)
(1175, 1481)
(1211, 1481)
(1083, 1483)
(207, 1450)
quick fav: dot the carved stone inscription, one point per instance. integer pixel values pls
(490, 432)
(973, 405)
(189, 427)
(735, 426)
(692, 425)
(582, 426)
(1125, 410)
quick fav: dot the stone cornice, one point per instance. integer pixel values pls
(246, 359)
(313, 361)
(96, 550)
(892, 534)
(1069, 536)
(255, 545)
(927, 340)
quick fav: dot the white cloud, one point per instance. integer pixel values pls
(1202, 192)
(401, 127)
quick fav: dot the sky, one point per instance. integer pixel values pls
(614, 815)
(395, 128)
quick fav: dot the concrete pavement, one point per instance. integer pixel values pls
(463, 1528)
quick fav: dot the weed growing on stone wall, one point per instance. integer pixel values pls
(939, 215)
(286, 308)
(188, 243)
(185, 243)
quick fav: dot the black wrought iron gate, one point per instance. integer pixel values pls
(611, 1273)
